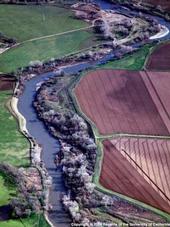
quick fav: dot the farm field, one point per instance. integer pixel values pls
(134, 61)
(32, 22)
(13, 146)
(45, 49)
(150, 157)
(6, 190)
(27, 22)
(6, 83)
(159, 60)
(165, 4)
(119, 175)
(35, 220)
(157, 84)
(123, 102)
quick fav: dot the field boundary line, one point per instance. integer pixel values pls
(151, 50)
(48, 36)
(132, 136)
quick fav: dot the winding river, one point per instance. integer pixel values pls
(50, 145)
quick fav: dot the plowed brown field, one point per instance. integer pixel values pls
(159, 60)
(120, 101)
(151, 158)
(123, 174)
(165, 4)
(6, 83)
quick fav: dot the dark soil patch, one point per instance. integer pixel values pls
(160, 58)
(7, 82)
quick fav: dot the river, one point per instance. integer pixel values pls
(49, 144)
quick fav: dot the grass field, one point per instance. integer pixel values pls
(26, 22)
(135, 61)
(13, 146)
(33, 221)
(45, 49)
(7, 189)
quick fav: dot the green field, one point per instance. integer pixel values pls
(134, 61)
(26, 22)
(7, 189)
(13, 146)
(45, 49)
(33, 221)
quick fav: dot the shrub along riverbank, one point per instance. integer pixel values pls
(14, 150)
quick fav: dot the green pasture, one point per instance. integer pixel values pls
(14, 147)
(29, 22)
(45, 49)
(134, 61)
(25, 22)
(36, 220)
(7, 189)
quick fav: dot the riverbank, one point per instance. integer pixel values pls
(146, 7)
(35, 153)
(163, 32)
